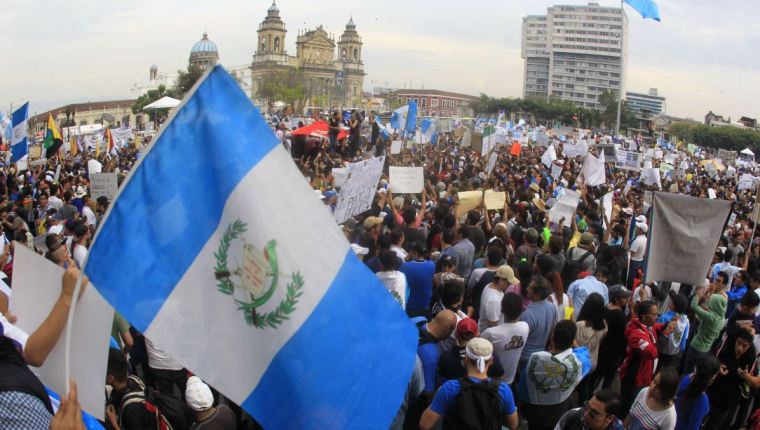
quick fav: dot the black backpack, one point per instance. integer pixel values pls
(478, 407)
(573, 268)
(171, 413)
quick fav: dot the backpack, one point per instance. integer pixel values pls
(171, 413)
(573, 268)
(478, 407)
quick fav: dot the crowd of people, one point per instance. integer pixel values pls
(525, 321)
(522, 321)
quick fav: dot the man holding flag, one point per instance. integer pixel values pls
(290, 319)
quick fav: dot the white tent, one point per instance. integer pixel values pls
(164, 102)
(746, 151)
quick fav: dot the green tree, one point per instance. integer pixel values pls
(285, 86)
(186, 80)
(149, 97)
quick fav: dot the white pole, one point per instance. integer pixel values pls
(620, 91)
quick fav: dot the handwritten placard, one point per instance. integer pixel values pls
(359, 189)
(495, 199)
(406, 180)
(104, 184)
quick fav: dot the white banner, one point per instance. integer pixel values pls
(396, 147)
(357, 193)
(592, 173)
(572, 150)
(492, 162)
(549, 156)
(684, 233)
(406, 180)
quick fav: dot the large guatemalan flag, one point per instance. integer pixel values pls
(219, 252)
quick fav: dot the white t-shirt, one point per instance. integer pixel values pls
(508, 340)
(639, 248)
(89, 216)
(643, 418)
(158, 359)
(490, 307)
(560, 306)
(80, 254)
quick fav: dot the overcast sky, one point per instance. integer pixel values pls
(702, 56)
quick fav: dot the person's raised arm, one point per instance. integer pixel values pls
(42, 341)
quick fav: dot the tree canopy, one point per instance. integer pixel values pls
(559, 111)
(727, 137)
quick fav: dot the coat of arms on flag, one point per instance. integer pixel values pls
(258, 276)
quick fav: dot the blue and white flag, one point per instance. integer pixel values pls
(383, 131)
(19, 141)
(411, 118)
(222, 273)
(647, 8)
(398, 118)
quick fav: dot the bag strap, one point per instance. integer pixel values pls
(585, 256)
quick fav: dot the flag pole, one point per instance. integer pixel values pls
(620, 91)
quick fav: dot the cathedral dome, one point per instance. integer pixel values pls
(204, 46)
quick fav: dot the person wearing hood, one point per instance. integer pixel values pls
(711, 321)
(641, 334)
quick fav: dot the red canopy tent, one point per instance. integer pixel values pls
(319, 129)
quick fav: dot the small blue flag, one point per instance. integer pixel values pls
(647, 8)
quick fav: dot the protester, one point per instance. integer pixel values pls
(599, 413)
(540, 317)
(592, 329)
(737, 357)
(551, 376)
(653, 407)
(200, 399)
(612, 349)
(711, 322)
(508, 339)
(475, 401)
(692, 403)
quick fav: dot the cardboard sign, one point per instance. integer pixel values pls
(396, 147)
(728, 157)
(104, 184)
(468, 200)
(36, 287)
(746, 182)
(357, 193)
(406, 180)
(35, 151)
(495, 200)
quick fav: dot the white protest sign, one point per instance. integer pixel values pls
(406, 180)
(492, 162)
(565, 207)
(357, 193)
(670, 159)
(607, 204)
(728, 157)
(36, 287)
(592, 173)
(651, 176)
(104, 184)
(466, 138)
(22, 164)
(40, 162)
(556, 171)
(711, 193)
(572, 150)
(628, 160)
(396, 147)
(94, 166)
(549, 156)
(340, 174)
(57, 174)
(542, 139)
(746, 182)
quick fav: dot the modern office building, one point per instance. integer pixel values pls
(575, 53)
(651, 102)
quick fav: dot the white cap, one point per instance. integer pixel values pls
(643, 227)
(198, 395)
(359, 250)
(56, 229)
